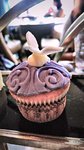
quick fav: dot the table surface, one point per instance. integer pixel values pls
(38, 21)
(69, 124)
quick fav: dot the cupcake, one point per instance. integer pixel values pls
(3, 98)
(39, 85)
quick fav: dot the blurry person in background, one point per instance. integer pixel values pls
(56, 10)
(4, 7)
(79, 39)
(4, 49)
(78, 43)
(75, 13)
(59, 12)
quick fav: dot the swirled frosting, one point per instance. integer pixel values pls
(27, 80)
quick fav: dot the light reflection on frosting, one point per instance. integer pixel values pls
(26, 80)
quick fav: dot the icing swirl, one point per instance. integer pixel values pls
(28, 80)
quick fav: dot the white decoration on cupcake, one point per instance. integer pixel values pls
(39, 57)
(32, 42)
(1, 82)
(51, 50)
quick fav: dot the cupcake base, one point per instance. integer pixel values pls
(43, 107)
(42, 113)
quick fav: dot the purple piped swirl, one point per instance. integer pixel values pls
(27, 80)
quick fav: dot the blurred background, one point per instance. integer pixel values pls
(48, 26)
(46, 5)
(48, 21)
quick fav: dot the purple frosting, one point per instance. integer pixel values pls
(27, 80)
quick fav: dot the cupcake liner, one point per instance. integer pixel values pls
(43, 107)
(42, 113)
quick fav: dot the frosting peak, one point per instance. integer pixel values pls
(38, 59)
